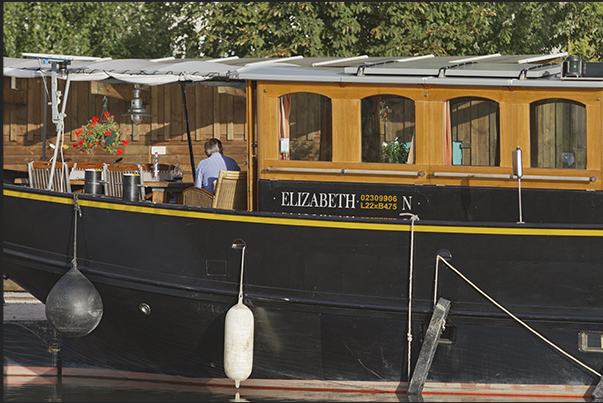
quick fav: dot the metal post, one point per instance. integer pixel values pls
(188, 131)
(518, 171)
(57, 117)
(45, 120)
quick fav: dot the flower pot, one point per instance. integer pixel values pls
(109, 139)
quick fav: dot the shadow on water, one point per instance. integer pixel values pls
(29, 345)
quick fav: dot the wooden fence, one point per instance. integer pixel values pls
(212, 111)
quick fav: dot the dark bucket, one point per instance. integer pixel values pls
(131, 187)
(92, 182)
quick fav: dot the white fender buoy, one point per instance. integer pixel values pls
(238, 333)
(238, 343)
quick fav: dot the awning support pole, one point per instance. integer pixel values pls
(45, 120)
(58, 117)
(188, 131)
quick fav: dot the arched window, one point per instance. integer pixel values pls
(557, 134)
(388, 129)
(472, 127)
(305, 127)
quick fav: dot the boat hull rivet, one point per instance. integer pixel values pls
(145, 309)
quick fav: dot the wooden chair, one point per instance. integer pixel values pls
(114, 174)
(195, 196)
(78, 172)
(231, 193)
(39, 175)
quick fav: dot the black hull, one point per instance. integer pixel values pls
(329, 295)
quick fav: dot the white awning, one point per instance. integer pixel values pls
(134, 71)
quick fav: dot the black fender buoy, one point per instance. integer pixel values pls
(73, 306)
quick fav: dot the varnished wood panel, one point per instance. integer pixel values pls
(33, 111)
(346, 130)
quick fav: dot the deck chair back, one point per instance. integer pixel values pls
(231, 190)
(231, 193)
(194, 196)
(78, 172)
(39, 176)
(114, 174)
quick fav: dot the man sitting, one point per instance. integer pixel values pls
(209, 168)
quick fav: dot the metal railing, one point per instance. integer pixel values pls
(345, 171)
(514, 177)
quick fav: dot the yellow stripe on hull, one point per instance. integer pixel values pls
(397, 226)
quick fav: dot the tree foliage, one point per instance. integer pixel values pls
(311, 29)
(396, 28)
(100, 29)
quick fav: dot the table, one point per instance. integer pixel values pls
(161, 190)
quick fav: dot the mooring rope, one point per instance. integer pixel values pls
(413, 218)
(78, 210)
(241, 282)
(438, 258)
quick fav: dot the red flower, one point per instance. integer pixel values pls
(78, 132)
(120, 151)
(125, 142)
(107, 133)
(94, 118)
(93, 123)
(89, 132)
(96, 143)
(82, 142)
(75, 145)
(106, 114)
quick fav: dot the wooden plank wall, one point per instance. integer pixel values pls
(560, 127)
(474, 122)
(398, 119)
(212, 112)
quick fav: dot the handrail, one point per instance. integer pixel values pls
(308, 170)
(511, 176)
(345, 171)
(435, 174)
(472, 175)
(560, 178)
(373, 172)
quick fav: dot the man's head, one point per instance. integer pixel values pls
(213, 146)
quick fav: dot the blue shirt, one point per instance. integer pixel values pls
(209, 169)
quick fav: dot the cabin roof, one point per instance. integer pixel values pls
(485, 70)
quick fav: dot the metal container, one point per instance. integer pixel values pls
(131, 184)
(92, 181)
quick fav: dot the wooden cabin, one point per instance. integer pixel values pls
(413, 121)
(451, 123)
(213, 112)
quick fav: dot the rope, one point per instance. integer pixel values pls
(438, 258)
(43, 80)
(413, 218)
(241, 282)
(78, 211)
